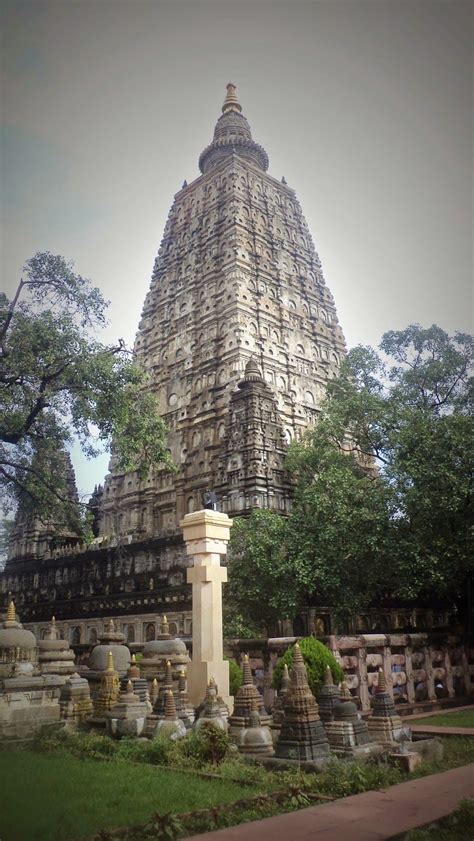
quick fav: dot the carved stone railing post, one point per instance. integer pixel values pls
(364, 696)
(387, 666)
(409, 673)
(206, 534)
(429, 673)
(449, 672)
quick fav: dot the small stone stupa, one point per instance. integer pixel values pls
(170, 725)
(186, 709)
(127, 716)
(328, 697)
(246, 695)
(210, 710)
(385, 725)
(75, 700)
(139, 684)
(277, 711)
(18, 647)
(347, 731)
(256, 739)
(302, 735)
(55, 657)
(108, 693)
(109, 640)
(160, 703)
(28, 700)
(156, 654)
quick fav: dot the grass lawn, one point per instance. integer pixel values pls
(58, 797)
(464, 718)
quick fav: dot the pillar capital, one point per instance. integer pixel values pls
(206, 525)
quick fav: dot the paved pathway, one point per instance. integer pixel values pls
(373, 816)
(444, 711)
(441, 730)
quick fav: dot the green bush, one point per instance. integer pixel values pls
(207, 746)
(235, 676)
(316, 657)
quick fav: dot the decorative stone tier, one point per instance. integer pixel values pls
(75, 701)
(55, 656)
(346, 731)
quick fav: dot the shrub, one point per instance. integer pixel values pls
(235, 676)
(208, 745)
(316, 657)
(341, 779)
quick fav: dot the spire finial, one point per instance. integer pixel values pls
(11, 612)
(382, 684)
(328, 678)
(231, 103)
(110, 662)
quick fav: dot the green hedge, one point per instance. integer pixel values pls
(316, 657)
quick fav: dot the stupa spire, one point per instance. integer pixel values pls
(232, 135)
(382, 684)
(231, 103)
(11, 612)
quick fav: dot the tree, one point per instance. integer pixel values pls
(260, 590)
(58, 382)
(382, 509)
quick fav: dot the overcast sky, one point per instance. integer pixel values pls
(363, 105)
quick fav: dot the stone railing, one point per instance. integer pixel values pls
(418, 667)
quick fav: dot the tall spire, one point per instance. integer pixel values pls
(232, 135)
(231, 103)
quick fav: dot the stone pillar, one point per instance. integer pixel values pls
(206, 534)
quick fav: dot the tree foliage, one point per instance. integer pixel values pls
(258, 592)
(383, 499)
(58, 383)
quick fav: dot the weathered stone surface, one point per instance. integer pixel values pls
(302, 735)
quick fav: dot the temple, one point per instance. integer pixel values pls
(239, 336)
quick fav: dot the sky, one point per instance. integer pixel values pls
(363, 105)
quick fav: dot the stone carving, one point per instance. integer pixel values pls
(302, 735)
(385, 725)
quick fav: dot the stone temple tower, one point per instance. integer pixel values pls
(239, 335)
